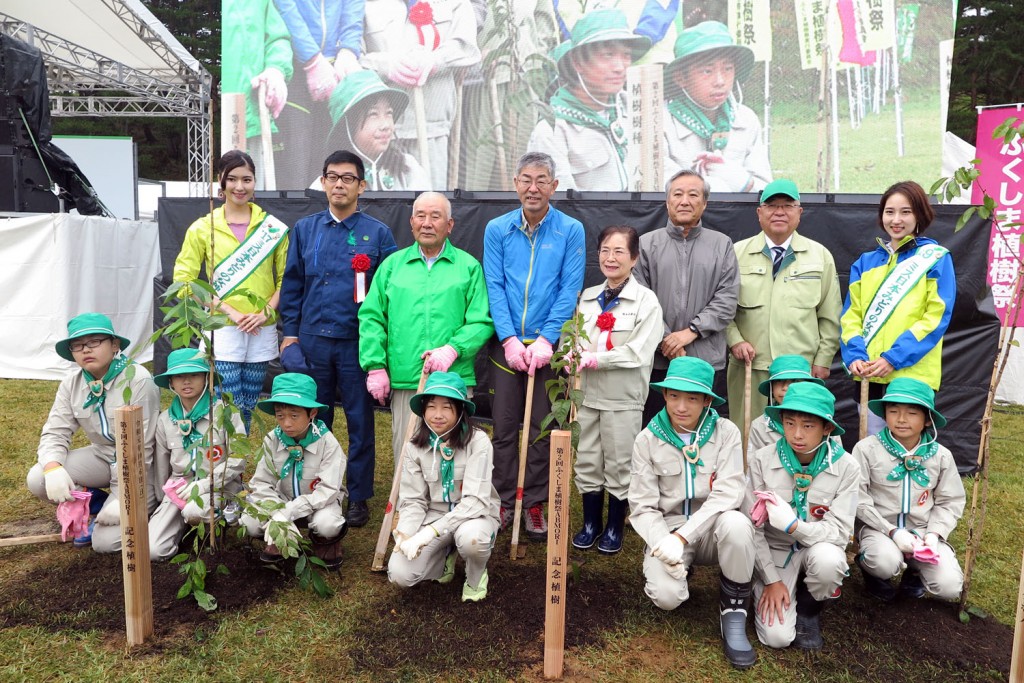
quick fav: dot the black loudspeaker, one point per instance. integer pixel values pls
(24, 186)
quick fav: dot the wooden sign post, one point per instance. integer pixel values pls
(645, 151)
(232, 120)
(138, 580)
(1017, 658)
(558, 553)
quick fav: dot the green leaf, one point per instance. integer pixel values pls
(300, 566)
(1014, 342)
(126, 395)
(937, 184)
(976, 611)
(206, 601)
(314, 560)
(223, 570)
(964, 617)
(186, 589)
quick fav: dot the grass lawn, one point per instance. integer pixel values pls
(370, 631)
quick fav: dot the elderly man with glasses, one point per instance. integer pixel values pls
(332, 258)
(789, 299)
(534, 258)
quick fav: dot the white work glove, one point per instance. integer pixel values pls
(58, 485)
(110, 515)
(904, 540)
(780, 515)
(320, 78)
(345, 62)
(669, 549)
(931, 539)
(676, 571)
(411, 547)
(399, 537)
(277, 89)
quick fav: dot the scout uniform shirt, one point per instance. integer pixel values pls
(318, 486)
(172, 459)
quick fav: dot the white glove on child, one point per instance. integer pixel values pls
(412, 547)
(931, 539)
(58, 485)
(780, 515)
(669, 550)
(676, 571)
(904, 540)
(110, 515)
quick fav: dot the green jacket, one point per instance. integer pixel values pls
(410, 309)
(796, 312)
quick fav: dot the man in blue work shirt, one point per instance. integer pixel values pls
(332, 257)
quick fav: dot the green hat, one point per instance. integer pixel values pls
(601, 26)
(690, 374)
(912, 391)
(782, 186)
(84, 325)
(292, 389)
(712, 37)
(358, 86)
(183, 362)
(447, 385)
(810, 398)
(794, 368)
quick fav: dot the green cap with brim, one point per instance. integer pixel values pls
(358, 86)
(183, 362)
(911, 391)
(708, 40)
(781, 187)
(85, 325)
(602, 26)
(292, 389)
(446, 385)
(692, 375)
(810, 398)
(793, 368)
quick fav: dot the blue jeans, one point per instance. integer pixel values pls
(334, 366)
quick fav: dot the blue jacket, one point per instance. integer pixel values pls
(317, 291)
(533, 283)
(323, 26)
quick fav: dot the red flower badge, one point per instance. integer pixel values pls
(605, 323)
(361, 266)
(361, 263)
(420, 15)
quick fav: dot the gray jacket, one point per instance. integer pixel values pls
(697, 281)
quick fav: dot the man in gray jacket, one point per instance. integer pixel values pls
(694, 272)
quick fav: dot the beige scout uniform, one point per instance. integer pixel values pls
(170, 461)
(469, 521)
(821, 553)
(614, 393)
(321, 491)
(932, 510)
(716, 531)
(796, 312)
(94, 465)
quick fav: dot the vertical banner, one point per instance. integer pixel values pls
(646, 152)
(1002, 177)
(810, 22)
(945, 77)
(876, 23)
(906, 25)
(750, 24)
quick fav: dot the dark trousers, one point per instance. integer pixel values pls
(507, 409)
(334, 366)
(656, 400)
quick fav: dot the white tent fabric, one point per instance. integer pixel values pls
(53, 267)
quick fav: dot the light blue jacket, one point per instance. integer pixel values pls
(323, 26)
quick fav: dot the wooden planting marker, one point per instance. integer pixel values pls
(1017, 658)
(558, 553)
(29, 540)
(138, 580)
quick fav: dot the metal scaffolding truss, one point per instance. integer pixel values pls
(141, 70)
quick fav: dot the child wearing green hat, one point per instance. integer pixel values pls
(784, 370)
(807, 493)
(446, 502)
(302, 467)
(86, 401)
(911, 498)
(179, 458)
(686, 486)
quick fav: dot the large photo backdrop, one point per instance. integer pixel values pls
(839, 95)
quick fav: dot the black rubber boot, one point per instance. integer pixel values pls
(808, 620)
(611, 539)
(911, 586)
(880, 589)
(593, 508)
(328, 550)
(734, 599)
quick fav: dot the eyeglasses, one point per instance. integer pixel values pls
(541, 183)
(345, 178)
(775, 208)
(78, 347)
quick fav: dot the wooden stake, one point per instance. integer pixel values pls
(524, 441)
(499, 134)
(266, 143)
(558, 553)
(387, 524)
(421, 130)
(28, 540)
(747, 372)
(138, 582)
(864, 387)
(1017, 658)
(455, 141)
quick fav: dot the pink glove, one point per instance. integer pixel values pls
(759, 512)
(277, 89)
(320, 78)
(378, 384)
(172, 489)
(927, 552)
(412, 69)
(538, 354)
(440, 359)
(73, 515)
(588, 360)
(515, 354)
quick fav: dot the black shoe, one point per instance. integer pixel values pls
(880, 589)
(808, 620)
(611, 539)
(733, 600)
(358, 514)
(328, 550)
(911, 585)
(270, 555)
(593, 508)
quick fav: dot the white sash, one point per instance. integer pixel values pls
(897, 285)
(244, 260)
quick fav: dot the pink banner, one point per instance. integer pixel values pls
(1002, 178)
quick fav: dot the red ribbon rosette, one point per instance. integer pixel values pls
(361, 263)
(605, 323)
(422, 14)
(361, 266)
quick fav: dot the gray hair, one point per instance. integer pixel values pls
(536, 159)
(688, 172)
(434, 195)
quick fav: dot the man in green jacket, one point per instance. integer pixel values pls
(426, 309)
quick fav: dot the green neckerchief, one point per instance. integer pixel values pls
(661, 427)
(97, 387)
(907, 462)
(803, 475)
(715, 134)
(293, 465)
(186, 424)
(447, 466)
(387, 181)
(568, 107)
(773, 426)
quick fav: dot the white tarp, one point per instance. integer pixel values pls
(53, 267)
